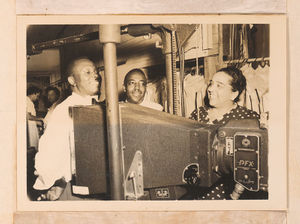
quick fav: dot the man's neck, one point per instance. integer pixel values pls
(85, 96)
(133, 102)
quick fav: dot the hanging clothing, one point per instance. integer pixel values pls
(265, 102)
(248, 71)
(153, 92)
(33, 134)
(261, 79)
(194, 86)
(257, 86)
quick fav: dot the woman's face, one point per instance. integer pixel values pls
(220, 91)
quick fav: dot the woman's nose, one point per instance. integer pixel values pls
(210, 88)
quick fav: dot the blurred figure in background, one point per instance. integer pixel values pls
(33, 94)
(53, 95)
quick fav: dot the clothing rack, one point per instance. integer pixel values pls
(247, 60)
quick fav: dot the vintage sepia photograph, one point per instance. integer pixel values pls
(157, 113)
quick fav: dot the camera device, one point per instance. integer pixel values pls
(163, 153)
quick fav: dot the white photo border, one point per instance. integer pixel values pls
(277, 123)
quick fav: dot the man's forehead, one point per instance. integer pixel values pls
(136, 76)
(83, 63)
(51, 92)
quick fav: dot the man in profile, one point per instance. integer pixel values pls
(135, 84)
(55, 161)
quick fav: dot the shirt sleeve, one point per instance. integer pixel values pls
(194, 115)
(30, 107)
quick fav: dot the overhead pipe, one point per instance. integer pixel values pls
(141, 30)
(109, 36)
(39, 47)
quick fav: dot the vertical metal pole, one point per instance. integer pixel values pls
(174, 74)
(169, 74)
(109, 36)
(220, 26)
(169, 79)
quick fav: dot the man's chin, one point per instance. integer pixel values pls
(94, 93)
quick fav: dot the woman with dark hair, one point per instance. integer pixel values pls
(223, 92)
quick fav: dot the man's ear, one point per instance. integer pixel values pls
(124, 88)
(71, 81)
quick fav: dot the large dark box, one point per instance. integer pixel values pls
(169, 145)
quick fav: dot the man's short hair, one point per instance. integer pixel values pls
(33, 90)
(71, 66)
(56, 90)
(135, 70)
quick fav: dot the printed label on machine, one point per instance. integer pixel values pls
(162, 193)
(246, 160)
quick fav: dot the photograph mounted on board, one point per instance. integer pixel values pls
(149, 112)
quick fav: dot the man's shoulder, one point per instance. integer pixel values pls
(152, 105)
(63, 106)
(69, 101)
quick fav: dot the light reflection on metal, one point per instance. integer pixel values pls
(109, 37)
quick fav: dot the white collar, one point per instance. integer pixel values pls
(84, 100)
